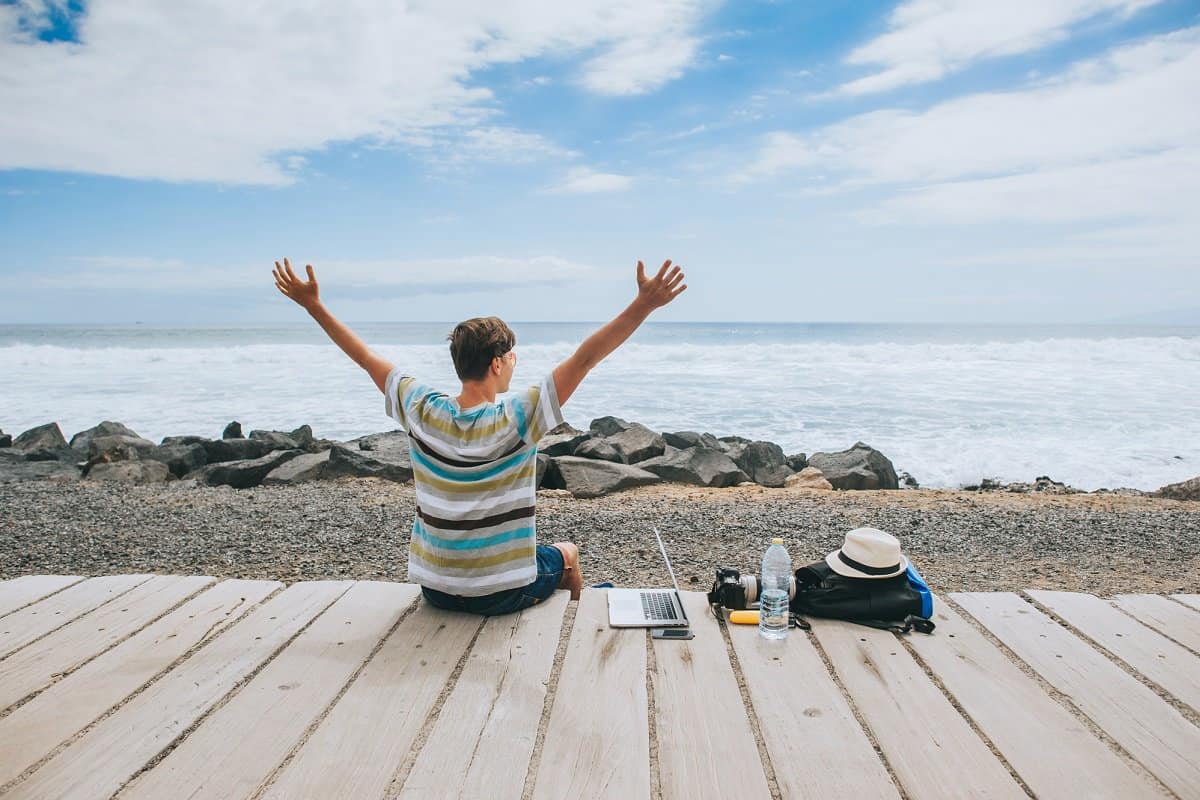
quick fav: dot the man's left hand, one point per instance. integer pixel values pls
(306, 293)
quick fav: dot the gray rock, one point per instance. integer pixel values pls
(303, 437)
(699, 466)
(773, 477)
(598, 449)
(218, 450)
(908, 481)
(56, 471)
(1184, 490)
(584, 477)
(5, 439)
(764, 462)
(179, 458)
(244, 473)
(543, 462)
(233, 431)
(1042, 484)
(139, 472)
(638, 443)
(173, 441)
(119, 447)
(306, 467)
(43, 437)
(278, 440)
(385, 459)
(607, 426)
(860, 467)
(11, 455)
(53, 454)
(82, 441)
(733, 446)
(562, 441)
(798, 462)
(393, 444)
(685, 439)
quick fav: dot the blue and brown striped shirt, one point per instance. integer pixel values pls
(475, 472)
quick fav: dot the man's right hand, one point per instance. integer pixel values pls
(306, 293)
(662, 288)
(652, 293)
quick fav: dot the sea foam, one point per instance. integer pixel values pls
(1094, 412)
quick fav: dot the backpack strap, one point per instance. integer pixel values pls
(910, 623)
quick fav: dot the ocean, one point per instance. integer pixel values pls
(1094, 406)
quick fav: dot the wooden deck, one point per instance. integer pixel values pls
(145, 686)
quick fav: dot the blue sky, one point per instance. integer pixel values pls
(931, 160)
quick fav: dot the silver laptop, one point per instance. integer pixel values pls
(648, 608)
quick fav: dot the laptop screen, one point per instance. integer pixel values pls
(670, 569)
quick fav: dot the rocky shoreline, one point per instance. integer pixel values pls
(288, 506)
(610, 456)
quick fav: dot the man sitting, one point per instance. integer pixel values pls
(474, 544)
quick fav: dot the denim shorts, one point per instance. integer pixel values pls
(507, 601)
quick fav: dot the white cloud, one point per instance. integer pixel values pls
(1136, 100)
(927, 39)
(1109, 148)
(226, 92)
(382, 276)
(1163, 186)
(641, 62)
(583, 180)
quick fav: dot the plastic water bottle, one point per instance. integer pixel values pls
(773, 594)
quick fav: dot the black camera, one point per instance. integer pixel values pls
(735, 591)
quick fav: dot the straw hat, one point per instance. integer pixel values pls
(868, 553)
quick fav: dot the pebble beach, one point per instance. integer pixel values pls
(1099, 543)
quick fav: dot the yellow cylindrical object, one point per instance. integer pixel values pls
(748, 617)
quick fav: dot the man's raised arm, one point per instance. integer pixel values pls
(652, 293)
(307, 295)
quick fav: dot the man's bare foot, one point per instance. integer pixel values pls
(572, 577)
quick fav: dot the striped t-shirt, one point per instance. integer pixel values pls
(475, 472)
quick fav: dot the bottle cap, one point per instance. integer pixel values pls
(777, 540)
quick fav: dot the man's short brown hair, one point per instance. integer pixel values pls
(475, 342)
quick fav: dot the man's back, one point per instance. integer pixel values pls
(475, 472)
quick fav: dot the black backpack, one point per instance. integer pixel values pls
(899, 604)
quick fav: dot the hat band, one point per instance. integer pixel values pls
(850, 562)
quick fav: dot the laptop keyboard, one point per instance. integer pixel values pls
(658, 605)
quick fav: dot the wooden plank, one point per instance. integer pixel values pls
(705, 744)
(22, 627)
(810, 732)
(484, 736)
(1165, 616)
(100, 761)
(19, 592)
(36, 728)
(1158, 658)
(1021, 720)
(1136, 718)
(1191, 600)
(236, 748)
(931, 748)
(598, 740)
(358, 747)
(53, 656)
